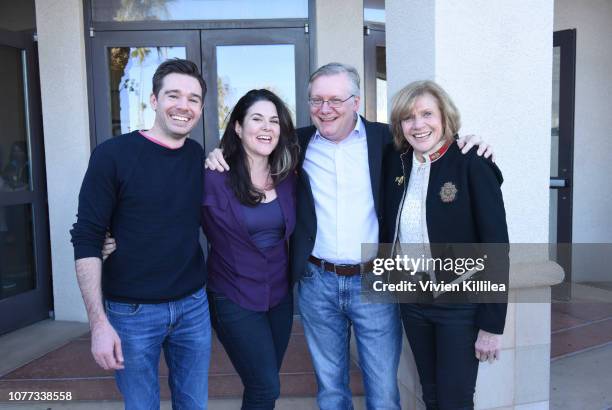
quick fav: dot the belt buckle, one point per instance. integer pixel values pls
(344, 265)
(336, 267)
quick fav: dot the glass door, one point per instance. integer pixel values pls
(232, 61)
(24, 235)
(375, 67)
(238, 60)
(123, 63)
(562, 156)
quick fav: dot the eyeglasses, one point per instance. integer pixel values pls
(334, 102)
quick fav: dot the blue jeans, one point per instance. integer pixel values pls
(182, 329)
(255, 343)
(330, 305)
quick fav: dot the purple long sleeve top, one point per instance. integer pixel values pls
(254, 278)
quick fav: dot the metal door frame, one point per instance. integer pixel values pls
(33, 305)
(563, 182)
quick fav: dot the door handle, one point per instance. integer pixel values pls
(556, 183)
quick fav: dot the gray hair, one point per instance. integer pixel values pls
(334, 69)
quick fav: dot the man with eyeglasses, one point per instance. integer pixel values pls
(338, 197)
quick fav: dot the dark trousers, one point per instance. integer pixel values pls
(442, 338)
(255, 343)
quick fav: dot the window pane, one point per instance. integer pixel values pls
(131, 70)
(17, 15)
(17, 268)
(381, 84)
(554, 146)
(374, 11)
(554, 128)
(14, 152)
(269, 66)
(147, 10)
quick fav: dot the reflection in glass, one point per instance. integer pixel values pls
(374, 11)
(381, 84)
(554, 146)
(14, 132)
(17, 15)
(552, 216)
(131, 71)
(269, 66)
(148, 10)
(554, 129)
(17, 268)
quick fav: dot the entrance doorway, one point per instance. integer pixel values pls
(25, 292)
(375, 72)
(562, 156)
(232, 61)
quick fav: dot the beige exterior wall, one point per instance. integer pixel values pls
(495, 60)
(498, 74)
(339, 34)
(592, 220)
(63, 80)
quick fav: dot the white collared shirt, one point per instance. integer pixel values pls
(339, 176)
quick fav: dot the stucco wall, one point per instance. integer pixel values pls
(494, 59)
(61, 51)
(339, 33)
(592, 219)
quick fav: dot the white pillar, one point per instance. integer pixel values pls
(63, 79)
(339, 33)
(495, 60)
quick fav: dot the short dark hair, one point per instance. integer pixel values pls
(179, 66)
(283, 160)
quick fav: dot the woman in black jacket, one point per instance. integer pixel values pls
(435, 197)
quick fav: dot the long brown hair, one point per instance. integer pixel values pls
(283, 160)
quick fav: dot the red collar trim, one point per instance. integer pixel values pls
(156, 141)
(441, 151)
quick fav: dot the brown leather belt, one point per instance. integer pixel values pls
(342, 269)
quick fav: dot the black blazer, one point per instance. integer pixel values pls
(473, 214)
(302, 242)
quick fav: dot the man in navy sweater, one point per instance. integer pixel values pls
(145, 187)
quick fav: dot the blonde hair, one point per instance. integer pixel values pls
(403, 104)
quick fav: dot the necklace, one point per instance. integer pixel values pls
(266, 185)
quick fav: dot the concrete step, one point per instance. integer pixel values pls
(577, 327)
(71, 368)
(290, 403)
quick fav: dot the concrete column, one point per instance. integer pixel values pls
(339, 33)
(495, 61)
(63, 79)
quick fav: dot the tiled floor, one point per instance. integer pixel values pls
(581, 342)
(578, 326)
(71, 368)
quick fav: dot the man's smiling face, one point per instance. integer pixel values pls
(178, 105)
(335, 124)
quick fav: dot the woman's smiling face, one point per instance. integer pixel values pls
(260, 129)
(423, 128)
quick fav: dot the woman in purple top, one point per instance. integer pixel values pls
(248, 215)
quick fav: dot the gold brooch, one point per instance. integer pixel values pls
(399, 180)
(448, 193)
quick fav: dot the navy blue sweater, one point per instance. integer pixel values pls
(148, 197)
